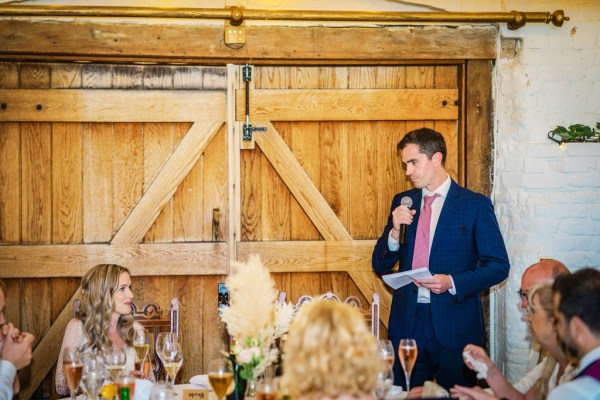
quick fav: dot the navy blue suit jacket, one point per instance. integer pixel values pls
(467, 245)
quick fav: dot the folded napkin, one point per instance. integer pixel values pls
(432, 389)
(396, 393)
(478, 366)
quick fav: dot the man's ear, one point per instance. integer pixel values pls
(437, 159)
(577, 327)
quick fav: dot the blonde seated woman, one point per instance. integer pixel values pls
(539, 382)
(330, 354)
(105, 317)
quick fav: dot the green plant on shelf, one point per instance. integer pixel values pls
(575, 133)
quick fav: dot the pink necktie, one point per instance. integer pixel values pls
(421, 252)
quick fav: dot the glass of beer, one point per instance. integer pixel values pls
(407, 352)
(72, 368)
(220, 376)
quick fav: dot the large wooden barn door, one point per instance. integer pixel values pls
(316, 186)
(112, 163)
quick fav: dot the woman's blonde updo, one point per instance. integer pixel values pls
(98, 287)
(330, 352)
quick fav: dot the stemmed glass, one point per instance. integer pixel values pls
(93, 375)
(386, 351)
(407, 352)
(172, 358)
(220, 376)
(72, 368)
(115, 359)
(141, 343)
(385, 380)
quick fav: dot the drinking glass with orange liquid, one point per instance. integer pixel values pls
(407, 352)
(267, 389)
(126, 379)
(220, 376)
(73, 368)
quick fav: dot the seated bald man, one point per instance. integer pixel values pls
(543, 270)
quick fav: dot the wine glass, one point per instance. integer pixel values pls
(93, 375)
(172, 358)
(72, 368)
(386, 351)
(407, 352)
(385, 380)
(115, 359)
(220, 376)
(141, 343)
(161, 391)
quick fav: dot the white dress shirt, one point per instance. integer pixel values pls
(436, 210)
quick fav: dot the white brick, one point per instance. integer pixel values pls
(583, 149)
(579, 227)
(595, 212)
(544, 181)
(584, 180)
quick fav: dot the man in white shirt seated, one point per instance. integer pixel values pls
(576, 300)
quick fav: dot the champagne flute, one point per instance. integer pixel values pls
(72, 368)
(115, 359)
(407, 352)
(385, 380)
(220, 376)
(386, 351)
(161, 339)
(93, 375)
(172, 357)
(141, 343)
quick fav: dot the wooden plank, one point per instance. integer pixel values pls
(479, 125)
(67, 183)
(34, 75)
(97, 76)
(349, 104)
(34, 261)
(36, 190)
(128, 170)
(214, 187)
(48, 348)
(158, 77)
(127, 77)
(82, 105)
(311, 255)
(303, 189)
(65, 76)
(188, 212)
(234, 218)
(10, 183)
(9, 75)
(215, 334)
(98, 188)
(159, 142)
(112, 39)
(166, 182)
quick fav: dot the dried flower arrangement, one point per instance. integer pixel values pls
(254, 317)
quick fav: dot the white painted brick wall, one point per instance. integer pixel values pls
(559, 185)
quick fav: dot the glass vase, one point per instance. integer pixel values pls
(250, 389)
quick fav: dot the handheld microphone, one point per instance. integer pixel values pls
(406, 201)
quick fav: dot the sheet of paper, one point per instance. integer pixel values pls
(401, 279)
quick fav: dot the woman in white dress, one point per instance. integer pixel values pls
(105, 318)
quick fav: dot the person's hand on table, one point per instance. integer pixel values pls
(474, 393)
(415, 393)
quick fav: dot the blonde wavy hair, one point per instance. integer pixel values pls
(329, 352)
(98, 287)
(543, 291)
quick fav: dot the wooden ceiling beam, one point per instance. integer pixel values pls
(168, 41)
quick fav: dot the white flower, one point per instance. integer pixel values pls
(246, 355)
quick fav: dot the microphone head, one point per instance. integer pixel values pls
(406, 201)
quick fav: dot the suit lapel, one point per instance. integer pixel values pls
(450, 205)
